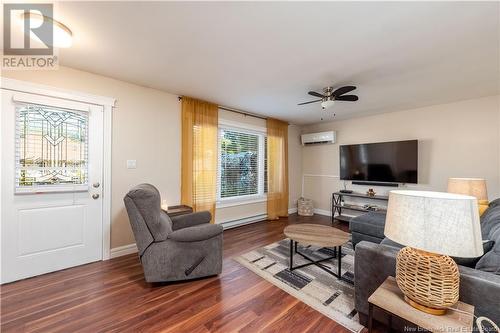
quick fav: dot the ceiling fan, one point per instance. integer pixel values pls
(329, 96)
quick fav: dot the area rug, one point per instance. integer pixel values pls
(325, 293)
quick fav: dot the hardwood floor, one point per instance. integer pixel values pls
(112, 296)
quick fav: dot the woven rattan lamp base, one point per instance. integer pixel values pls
(429, 281)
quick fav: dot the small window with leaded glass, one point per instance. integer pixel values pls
(51, 149)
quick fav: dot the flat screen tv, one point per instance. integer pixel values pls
(384, 162)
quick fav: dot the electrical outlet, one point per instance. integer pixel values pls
(131, 164)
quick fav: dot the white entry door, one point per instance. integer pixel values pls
(51, 195)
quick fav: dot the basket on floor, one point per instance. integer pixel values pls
(305, 207)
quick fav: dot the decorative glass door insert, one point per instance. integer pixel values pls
(51, 149)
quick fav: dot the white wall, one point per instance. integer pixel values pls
(146, 127)
(458, 139)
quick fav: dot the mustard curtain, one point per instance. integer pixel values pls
(199, 155)
(277, 169)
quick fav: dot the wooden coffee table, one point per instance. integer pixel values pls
(317, 235)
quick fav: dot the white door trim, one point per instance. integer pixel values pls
(45, 90)
(107, 103)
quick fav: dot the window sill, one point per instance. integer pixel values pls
(240, 201)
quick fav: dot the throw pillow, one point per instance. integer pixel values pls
(494, 203)
(490, 220)
(490, 262)
(471, 262)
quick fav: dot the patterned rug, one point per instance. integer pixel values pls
(332, 297)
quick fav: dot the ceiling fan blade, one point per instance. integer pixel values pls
(313, 93)
(349, 98)
(318, 100)
(343, 90)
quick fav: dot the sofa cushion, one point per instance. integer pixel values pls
(471, 262)
(371, 223)
(490, 262)
(359, 237)
(147, 200)
(392, 243)
(490, 219)
(494, 203)
(490, 229)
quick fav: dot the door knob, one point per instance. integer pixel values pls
(95, 196)
(96, 185)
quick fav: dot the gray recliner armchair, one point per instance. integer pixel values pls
(172, 249)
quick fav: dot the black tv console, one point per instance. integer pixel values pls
(337, 206)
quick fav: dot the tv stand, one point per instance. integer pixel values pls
(337, 206)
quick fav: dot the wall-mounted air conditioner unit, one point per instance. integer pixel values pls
(317, 138)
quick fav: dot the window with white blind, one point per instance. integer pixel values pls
(241, 172)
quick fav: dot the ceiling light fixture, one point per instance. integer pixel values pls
(62, 35)
(328, 103)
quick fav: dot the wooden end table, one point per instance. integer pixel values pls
(177, 210)
(317, 235)
(390, 299)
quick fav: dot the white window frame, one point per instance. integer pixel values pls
(242, 199)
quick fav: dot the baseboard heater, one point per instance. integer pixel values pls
(243, 221)
(355, 182)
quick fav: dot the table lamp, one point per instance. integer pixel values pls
(432, 226)
(475, 187)
(164, 205)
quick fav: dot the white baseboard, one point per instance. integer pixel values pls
(123, 250)
(322, 212)
(292, 210)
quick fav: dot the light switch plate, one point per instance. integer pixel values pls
(131, 164)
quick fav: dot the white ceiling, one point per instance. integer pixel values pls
(264, 57)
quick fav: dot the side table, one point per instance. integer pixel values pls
(177, 210)
(390, 299)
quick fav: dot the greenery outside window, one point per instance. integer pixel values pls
(241, 169)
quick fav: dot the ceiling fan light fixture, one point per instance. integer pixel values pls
(329, 96)
(327, 104)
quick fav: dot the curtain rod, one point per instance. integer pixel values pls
(236, 111)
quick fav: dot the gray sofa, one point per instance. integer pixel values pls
(479, 284)
(172, 249)
(367, 227)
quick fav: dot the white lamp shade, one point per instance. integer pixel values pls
(475, 187)
(437, 222)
